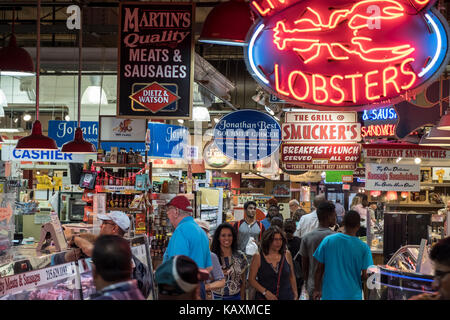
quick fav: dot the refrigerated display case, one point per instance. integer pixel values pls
(400, 278)
(33, 275)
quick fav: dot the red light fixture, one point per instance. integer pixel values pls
(437, 134)
(227, 24)
(391, 196)
(79, 145)
(15, 61)
(37, 141)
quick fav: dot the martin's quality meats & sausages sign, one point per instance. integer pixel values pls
(155, 60)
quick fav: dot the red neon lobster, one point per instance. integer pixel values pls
(307, 36)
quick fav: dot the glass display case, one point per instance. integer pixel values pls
(400, 278)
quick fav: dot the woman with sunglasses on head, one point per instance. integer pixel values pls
(272, 270)
(234, 263)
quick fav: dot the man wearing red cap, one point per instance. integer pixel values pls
(188, 238)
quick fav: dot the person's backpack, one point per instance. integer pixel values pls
(261, 228)
(143, 277)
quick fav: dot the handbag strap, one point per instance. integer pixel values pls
(279, 274)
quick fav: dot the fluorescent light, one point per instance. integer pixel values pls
(16, 119)
(438, 49)
(3, 101)
(223, 42)
(200, 114)
(216, 120)
(94, 95)
(417, 160)
(27, 117)
(398, 159)
(16, 74)
(67, 117)
(250, 55)
(180, 121)
(11, 130)
(276, 118)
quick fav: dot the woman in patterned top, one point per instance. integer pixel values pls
(234, 263)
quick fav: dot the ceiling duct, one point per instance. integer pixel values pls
(212, 79)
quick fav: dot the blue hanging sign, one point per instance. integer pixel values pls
(63, 131)
(168, 141)
(380, 114)
(247, 135)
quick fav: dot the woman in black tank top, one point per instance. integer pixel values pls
(272, 272)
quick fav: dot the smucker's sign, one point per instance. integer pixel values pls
(346, 53)
(155, 60)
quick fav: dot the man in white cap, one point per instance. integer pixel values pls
(115, 223)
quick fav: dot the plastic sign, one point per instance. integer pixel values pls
(346, 54)
(168, 141)
(247, 135)
(320, 157)
(63, 131)
(321, 127)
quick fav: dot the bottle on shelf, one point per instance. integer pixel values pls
(111, 200)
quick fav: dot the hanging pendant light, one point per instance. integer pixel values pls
(444, 123)
(436, 134)
(37, 141)
(79, 145)
(15, 61)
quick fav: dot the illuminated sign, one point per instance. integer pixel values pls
(346, 54)
(406, 151)
(320, 141)
(378, 130)
(319, 127)
(379, 123)
(380, 114)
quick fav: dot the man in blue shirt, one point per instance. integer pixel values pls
(188, 238)
(274, 211)
(343, 262)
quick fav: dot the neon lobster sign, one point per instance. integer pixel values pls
(346, 54)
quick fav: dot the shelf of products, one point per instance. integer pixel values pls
(118, 165)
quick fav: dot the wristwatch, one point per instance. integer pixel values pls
(264, 293)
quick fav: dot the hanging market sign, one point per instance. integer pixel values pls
(379, 123)
(10, 153)
(156, 54)
(168, 141)
(247, 135)
(389, 177)
(346, 53)
(406, 151)
(63, 131)
(320, 157)
(113, 129)
(319, 127)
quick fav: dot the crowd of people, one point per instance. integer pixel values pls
(309, 256)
